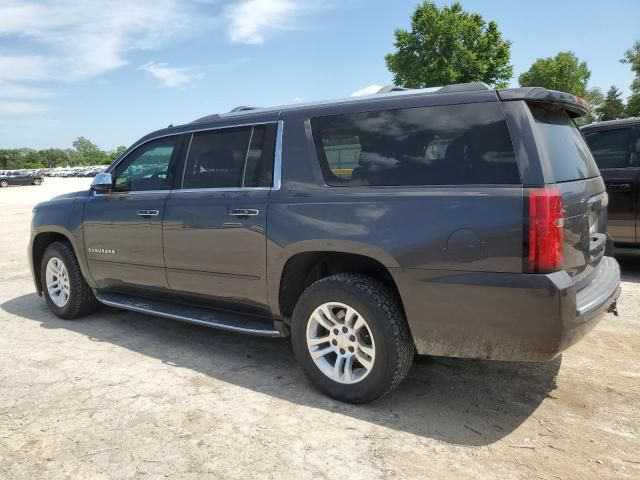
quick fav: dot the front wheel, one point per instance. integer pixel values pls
(4, 184)
(351, 338)
(65, 290)
(37, 181)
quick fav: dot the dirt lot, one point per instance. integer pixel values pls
(123, 395)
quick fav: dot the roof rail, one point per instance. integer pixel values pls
(392, 88)
(241, 108)
(453, 88)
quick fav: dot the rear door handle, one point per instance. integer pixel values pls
(147, 213)
(619, 187)
(244, 212)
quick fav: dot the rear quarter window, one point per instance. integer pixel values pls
(562, 145)
(441, 145)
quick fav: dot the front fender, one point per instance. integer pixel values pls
(56, 219)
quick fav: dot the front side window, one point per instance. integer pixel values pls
(147, 168)
(440, 145)
(610, 148)
(231, 158)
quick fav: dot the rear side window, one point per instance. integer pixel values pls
(441, 145)
(231, 158)
(610, 148)
(561, 143)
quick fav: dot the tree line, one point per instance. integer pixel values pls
(84, 152)
(444, 46)
(450, 45)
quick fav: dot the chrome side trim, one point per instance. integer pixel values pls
(191, 130)
(277, 163)
(181, 318)
(223, 189)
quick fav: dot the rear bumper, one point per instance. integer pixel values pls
(503, 316)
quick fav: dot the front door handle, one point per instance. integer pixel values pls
(147, 213)
(244, 212)
(619, 187)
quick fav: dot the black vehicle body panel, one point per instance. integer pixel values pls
(454, 252)
(21, 178)
(622, 184)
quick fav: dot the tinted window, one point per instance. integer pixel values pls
(561, 143)
(610, 147)
(231, 158)
(147, 167)
(442, 145)
(259, 166)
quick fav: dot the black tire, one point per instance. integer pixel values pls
(81, 300)
(394, 349)
(37, 181)
(4, 184)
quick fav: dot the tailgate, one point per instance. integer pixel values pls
(571, 169)
(585, 220)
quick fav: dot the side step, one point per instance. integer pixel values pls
(233, 322)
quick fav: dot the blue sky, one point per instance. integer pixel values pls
(115, 70)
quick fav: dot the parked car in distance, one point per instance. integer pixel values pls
(615, 146)
(459, 221)
(20, 177)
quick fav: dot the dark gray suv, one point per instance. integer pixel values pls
(459, 221)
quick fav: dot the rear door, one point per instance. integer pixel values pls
(611, 149)
(215, 225)
(569, 166)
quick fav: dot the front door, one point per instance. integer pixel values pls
(611, 150)
(215, 224)
(123, 228)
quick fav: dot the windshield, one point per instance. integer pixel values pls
(561, 143)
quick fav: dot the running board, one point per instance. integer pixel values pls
(233, 322)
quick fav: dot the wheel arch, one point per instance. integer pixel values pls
(41, 240)
(301, 269)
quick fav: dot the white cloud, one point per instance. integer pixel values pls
(23, 68)
(170, 77)
(14, 91)
(251, 18)
(11, 108)
(370, 90)
(88, 37)
(298, 99)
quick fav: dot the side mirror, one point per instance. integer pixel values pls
(102, 182)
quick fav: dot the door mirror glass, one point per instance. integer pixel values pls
(102, 182)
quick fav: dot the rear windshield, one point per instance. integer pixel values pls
(439, 145)
(561, 143)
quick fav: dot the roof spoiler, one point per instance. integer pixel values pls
(574, 105)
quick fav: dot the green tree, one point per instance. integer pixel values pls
(88, 153)
(449, 45)
(633, 105)
(54, 157)
(613, 106)
(116, 153)
(632, 57)
(595, 98)
(10, 159)
(564, 72)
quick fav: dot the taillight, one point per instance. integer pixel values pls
(545, 237)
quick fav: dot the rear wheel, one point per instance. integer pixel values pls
(351, 337)
(37, 181)
(65, 290)
(4, 183)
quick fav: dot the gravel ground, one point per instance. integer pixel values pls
(124, 395)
